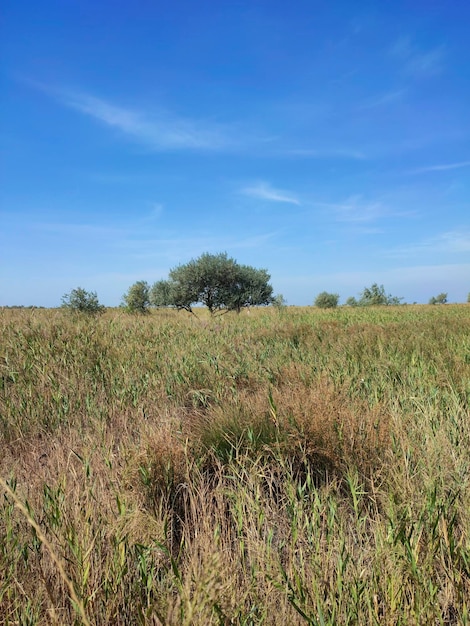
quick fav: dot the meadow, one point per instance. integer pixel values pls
(292, 466)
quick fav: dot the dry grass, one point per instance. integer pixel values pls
(289, 467)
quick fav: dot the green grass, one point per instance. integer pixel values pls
(299, 466)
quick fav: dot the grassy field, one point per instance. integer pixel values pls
(275, 467)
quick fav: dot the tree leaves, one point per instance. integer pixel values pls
(215, 280)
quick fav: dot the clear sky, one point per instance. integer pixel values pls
(326, 141)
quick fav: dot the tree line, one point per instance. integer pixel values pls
(375, 295)
(213, 280)
(221, 284)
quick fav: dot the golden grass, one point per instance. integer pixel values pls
(284, 467)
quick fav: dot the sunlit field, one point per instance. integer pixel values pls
(291, 466)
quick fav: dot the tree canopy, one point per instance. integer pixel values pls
(216, 281)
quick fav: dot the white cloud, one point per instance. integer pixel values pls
(168, 247)
(264, 191)
(155, 211)
(78, 230)
(356, 209)
(383, 99)
(159, 130)
(416, 61)
(441, 168)
(117, 178)
(453, 242)
(333, 153)
(426, 63)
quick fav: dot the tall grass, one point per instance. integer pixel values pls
(298, 466)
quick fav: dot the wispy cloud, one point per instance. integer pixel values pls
(168, 247)
(144, 238)
(440, 168)
(383, 99)
(417, 61)
(333, 153)
(159, 130)
(78, 230)
(118, 178)
(450, 242)
(155, 211)
(358, 210)
(454, 241)
(264, 191)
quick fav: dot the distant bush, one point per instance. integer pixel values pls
(137, 298)
(374, 295)
(440, 299)
(81, 301)
(279, 302)
(326, 300)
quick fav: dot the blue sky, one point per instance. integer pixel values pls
(328, 142)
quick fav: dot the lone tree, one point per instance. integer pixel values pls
(216, 281)
(440, 299)
(137, 298)
(81, 301)
(326, 300)
(375, 296)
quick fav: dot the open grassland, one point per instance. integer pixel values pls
(280, 467)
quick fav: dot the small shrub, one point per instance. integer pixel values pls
(326, 300)
(440, 299)
(279, 302)
(137, 298)
(81, 301)
(226, 434)
(374, 295)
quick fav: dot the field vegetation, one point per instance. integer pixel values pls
(281, 466)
